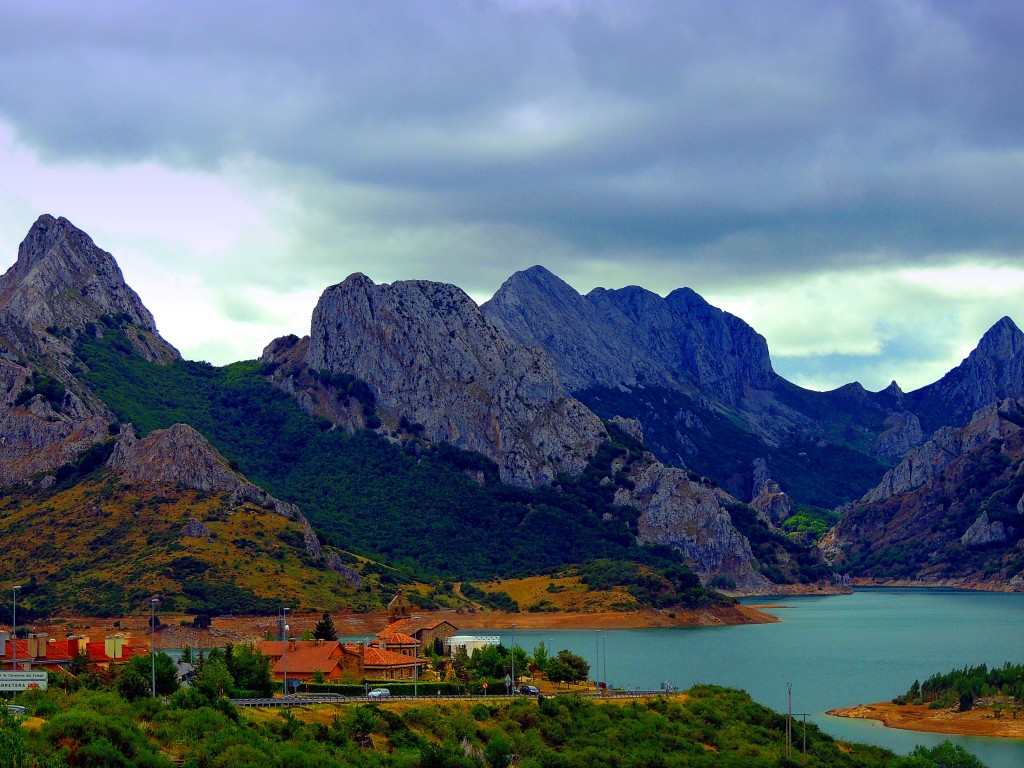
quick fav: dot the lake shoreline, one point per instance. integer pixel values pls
(918, 717)
(235, 629)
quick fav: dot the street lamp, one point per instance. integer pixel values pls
(415, 667)
(284, 611)
(14, 627)
(152, 640)
(604, 654)
(512, 651)
(597, 661)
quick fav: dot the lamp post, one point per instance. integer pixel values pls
(415, 667)
(284, 613)
(512, 652)
(14, 627)
(604, 659)
(597, 661)
(152, 640)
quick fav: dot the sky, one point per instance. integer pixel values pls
(847, 176)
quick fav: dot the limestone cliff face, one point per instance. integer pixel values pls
(690, 517)
(629, 335)
(430, 355)
(946, 445)
(39, 435)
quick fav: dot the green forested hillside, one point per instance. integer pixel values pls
(709, 727)
(412, 506)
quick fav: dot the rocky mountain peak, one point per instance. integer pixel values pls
(1003, 340)
(992, 371)
(62, 282)
(429, 354)
(614, 337)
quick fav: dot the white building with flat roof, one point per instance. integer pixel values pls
(472, 642)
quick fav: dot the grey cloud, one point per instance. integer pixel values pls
(819, 132)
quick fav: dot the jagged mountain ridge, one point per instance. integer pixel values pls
(732, 376)
(700, 382)
(57, 261)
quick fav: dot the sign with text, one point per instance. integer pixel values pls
(22, 680)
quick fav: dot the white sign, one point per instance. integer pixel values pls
(22, 680)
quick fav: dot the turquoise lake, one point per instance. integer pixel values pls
(837, 651)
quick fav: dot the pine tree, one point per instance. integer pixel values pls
(324, 629)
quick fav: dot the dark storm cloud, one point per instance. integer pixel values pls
(814, 129)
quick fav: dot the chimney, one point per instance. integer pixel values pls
(77, 644)
(37, 645)
(113, 646)
(291, 644)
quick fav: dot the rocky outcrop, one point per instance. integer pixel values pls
(772, 503)
(631, 335)
(430, 355)
(175, 456)
(690, 517)
(903, 432)
(983, 532)
(946, 445)
(181, 456)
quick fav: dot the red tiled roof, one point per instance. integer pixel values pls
(98, 652)
(19, 647)
(378, 657)
(57, 650)
(397, 638)
(310, 658)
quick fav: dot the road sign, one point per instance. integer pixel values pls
(22, 680)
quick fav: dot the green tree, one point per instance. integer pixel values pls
(541, 656)
(948, 755)
(132, 685)
(498, 751)
(438, 647)
(166, 673)
(560, 672)
(250, 670)
(186, 654)
(324, 629)
(214, 679)
(579, 666)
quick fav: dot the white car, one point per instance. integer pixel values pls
(379, 693)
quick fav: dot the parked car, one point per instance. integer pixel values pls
(379, 693)
(529, 690)
(16, 709)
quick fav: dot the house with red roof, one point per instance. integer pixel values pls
(305, 658)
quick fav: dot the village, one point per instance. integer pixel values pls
(409, 651)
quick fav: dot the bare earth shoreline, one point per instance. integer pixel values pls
(172, 634)
(918, 717)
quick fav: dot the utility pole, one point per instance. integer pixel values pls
(789, 722)
(152, 641)
(14, 626)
